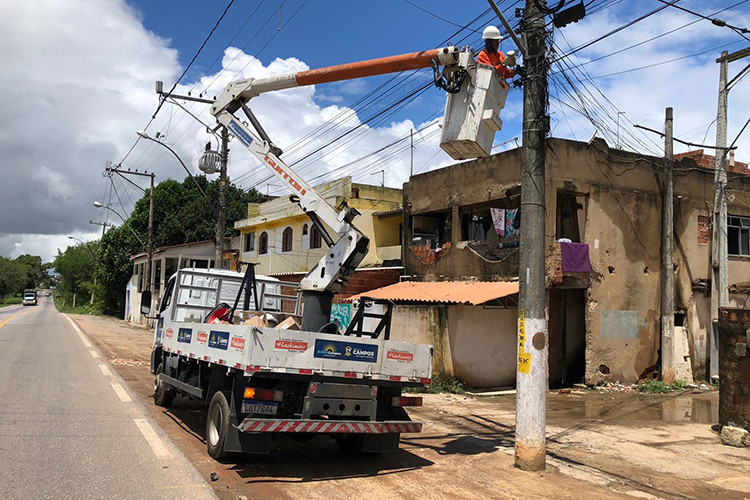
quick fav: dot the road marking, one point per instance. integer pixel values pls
(7, 320)
(79, 332)
(94, 354)
(153, 440)
(120, 392)
(105, 370)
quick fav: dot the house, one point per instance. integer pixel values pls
(604, 324)
(283, 242)
(165, 262)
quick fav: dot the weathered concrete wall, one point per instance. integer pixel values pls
(734, 367)
(483, 344)
(475, 344)
(425, 324)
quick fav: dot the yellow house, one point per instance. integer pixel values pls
(282, 239)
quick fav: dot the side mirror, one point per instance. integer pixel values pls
(146, 302)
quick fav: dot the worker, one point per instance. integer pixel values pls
(491, 56)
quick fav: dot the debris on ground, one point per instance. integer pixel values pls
(735, 436)
(214, 476)
(617, 387)
(128, 362)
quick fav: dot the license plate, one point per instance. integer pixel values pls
(259, 408)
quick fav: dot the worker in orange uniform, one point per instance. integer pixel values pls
(491, 56)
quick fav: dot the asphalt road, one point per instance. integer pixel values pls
(69, 426)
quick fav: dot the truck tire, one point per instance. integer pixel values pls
(217, 425)
(163, 394)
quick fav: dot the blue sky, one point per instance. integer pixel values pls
(79, 75)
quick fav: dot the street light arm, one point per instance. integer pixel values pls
(145, 135)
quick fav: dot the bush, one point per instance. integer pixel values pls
(679, 385)
(442, 383)
(655, 387)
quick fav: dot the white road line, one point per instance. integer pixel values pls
(153, 440)
(79, 332)
(120, 392)
(105, 370)
(94, 354)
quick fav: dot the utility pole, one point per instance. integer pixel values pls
(411, 165)
(150, 241)
(103, 224)
(719, 281)
(531, 379)
(221, 219)
(668, 361)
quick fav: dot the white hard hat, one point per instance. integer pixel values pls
(491, 33)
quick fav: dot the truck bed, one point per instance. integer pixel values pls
(257, 349)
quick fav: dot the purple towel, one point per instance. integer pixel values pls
(575, 257)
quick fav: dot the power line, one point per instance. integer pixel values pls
(714, 21)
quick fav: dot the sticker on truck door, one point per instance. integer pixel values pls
(185, 335)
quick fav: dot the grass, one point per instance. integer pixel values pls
(442, 383)
(659, 387)
(9, 301)
(65, 307)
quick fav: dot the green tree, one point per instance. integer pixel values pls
(76, 267)
(13, 277)
(36, 272)
(181, 215)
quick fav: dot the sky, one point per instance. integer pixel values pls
(78, 83)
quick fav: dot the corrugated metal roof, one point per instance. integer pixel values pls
(451, 292)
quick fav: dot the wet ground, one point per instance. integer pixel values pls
(600, 445)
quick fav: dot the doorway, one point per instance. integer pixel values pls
(567, 337)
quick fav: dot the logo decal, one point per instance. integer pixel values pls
(202, 337)
(400, 356)
(238, 343)
(185, 335)
(240, 133)
(348, 351)
(296, 185)
(291, 345)
(218, 340)
(169, 333)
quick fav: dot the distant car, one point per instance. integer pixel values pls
(29, 298)
(48, 294)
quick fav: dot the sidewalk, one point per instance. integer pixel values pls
(613, 445)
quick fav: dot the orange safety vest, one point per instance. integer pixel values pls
(495, 59)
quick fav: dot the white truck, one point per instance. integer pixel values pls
(260, 381)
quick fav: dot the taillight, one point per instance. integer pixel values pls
(407, 401)
(263, 394)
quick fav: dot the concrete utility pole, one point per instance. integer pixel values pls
(531, 384)
(103, 224)
(221, 219)
(150, 240)
(719, 287)
(668, 361)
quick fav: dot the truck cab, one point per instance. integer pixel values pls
(29, 298)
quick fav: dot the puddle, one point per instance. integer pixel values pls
(628, 408)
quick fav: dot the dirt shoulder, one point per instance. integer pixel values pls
(613, 445)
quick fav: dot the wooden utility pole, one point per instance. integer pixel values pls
(531, 381)
(221, 219)
(668, 360)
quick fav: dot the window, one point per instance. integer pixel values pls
(738, 235)
(263, 243)
(304, 229)
(249, 242)
(315, 237)
(286, 240)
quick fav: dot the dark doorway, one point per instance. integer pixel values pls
(567, 337)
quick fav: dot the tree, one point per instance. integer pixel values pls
(36, 272)
(13, 277)
(181, 215)
(76, 267)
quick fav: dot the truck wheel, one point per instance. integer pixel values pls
(163, 394)
(217, 425)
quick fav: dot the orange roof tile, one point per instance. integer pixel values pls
(451, 292)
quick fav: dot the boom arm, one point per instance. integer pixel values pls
(344, 255)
